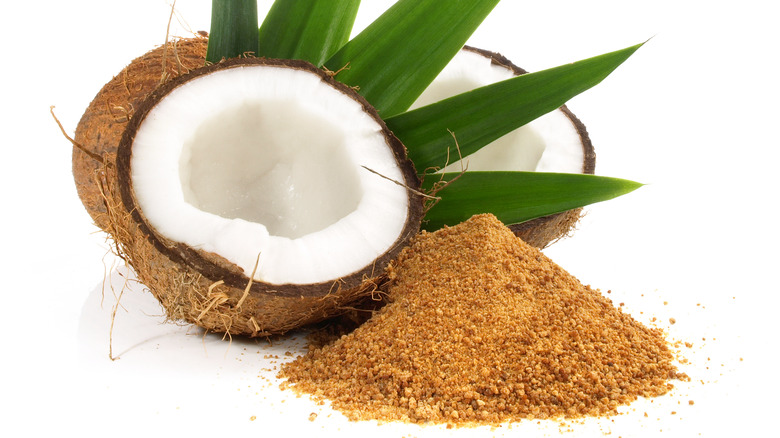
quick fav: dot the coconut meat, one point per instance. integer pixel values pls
(266, 167)
(549, 143)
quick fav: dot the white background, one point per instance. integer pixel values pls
(692, 114)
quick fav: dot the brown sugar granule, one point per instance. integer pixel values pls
(483, 328)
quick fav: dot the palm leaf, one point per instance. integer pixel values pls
(515, 197)
(310, 30)
(480, 116)
(233, 29)
(398, 55)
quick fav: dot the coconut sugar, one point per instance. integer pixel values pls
(484, 329)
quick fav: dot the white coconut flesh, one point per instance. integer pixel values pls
(550, 143)
(266, 167)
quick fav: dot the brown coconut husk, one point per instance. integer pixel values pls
(544, 231)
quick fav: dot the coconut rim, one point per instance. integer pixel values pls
(214, 267)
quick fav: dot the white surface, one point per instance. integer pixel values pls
(692, 114)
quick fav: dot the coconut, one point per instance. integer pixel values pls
(251, 197)
(554, 142)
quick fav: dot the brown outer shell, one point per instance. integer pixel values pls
(543, 231)
(214, 267)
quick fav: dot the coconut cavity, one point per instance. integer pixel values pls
(274, 163)
(274, 169)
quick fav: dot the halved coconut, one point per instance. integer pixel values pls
(256, 196)
(555, 142)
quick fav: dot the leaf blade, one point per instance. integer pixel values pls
(233, 29)
(310, 30)
(515, 197)
(481, 116)
(395, 58)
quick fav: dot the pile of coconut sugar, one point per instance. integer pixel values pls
(483, 328)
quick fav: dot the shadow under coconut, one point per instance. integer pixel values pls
(120, 319)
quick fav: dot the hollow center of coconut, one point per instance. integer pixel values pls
(266, 166)
(550, 143)
(271, 162)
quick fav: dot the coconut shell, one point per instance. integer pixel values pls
(544, 231)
